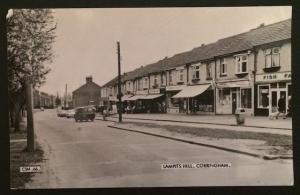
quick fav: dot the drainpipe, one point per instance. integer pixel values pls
(166, 96)
(254, 80)
(215, 88)
(187, 73)
(148, 82)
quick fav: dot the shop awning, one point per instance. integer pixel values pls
(151, 96)
(126, 98)
(191, 91)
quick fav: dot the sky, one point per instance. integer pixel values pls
(86, 42)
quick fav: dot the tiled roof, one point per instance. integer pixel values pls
(240, 42)
(270, 33)
(86, 85)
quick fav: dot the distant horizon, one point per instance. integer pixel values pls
(86, 38)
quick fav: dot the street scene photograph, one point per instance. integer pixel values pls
(150, 97)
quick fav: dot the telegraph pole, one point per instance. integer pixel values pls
(30, 124)
(119, 84)
(66, 97)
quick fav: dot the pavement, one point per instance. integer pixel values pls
(91, 154)
(223, 120)
(255, 148)
(163, 121)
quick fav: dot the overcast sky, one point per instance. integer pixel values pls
(86, 38)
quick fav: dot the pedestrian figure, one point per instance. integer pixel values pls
(281, 107)
(289, 110)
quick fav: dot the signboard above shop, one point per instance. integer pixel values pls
(271, 77)
(112, 98)
(142, 92)
(175, 87)
(154, 91)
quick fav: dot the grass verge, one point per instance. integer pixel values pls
(18, 158)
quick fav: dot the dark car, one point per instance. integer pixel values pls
(85, 113)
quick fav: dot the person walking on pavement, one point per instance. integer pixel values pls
(281, 107)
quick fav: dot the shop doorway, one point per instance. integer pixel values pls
(275, 96)
(235, 98)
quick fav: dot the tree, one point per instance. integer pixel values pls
(57, 101)
(30, 37)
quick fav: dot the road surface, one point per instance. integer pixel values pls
(91, 155)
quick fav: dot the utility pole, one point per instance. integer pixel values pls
(66, 96)
(30, 124)
(119, 84)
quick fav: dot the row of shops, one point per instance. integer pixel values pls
(257, 97)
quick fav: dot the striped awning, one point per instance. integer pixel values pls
(191, 91)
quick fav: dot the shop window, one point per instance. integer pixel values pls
(273, 85)
(246, 98)
(263, 96)
(282, 85)
(208, 71)
(223, 67)
(241, 62)
(272, 57)
(224, 96)
(289, 89)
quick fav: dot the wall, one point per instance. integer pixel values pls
(82, 97)
(231, 68)
(203, 73)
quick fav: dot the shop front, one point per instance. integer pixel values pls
(175, 105)
(112, 105)
(196, 99)
(147, 101)
(233, 95)
(269, 89)
(126, 103)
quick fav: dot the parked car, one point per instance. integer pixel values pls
(42, 109)
(85, 113)
(61, 113)
(70, 113)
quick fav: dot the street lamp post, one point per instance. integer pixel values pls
(119, 83)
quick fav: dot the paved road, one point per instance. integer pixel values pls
(89, 154)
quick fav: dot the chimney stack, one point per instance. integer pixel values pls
(89, 79)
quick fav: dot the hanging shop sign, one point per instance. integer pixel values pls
(274, 77)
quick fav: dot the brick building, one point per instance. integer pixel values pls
(87, 94)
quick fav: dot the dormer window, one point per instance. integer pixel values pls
(241, 62)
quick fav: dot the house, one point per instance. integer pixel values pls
(87, 94)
